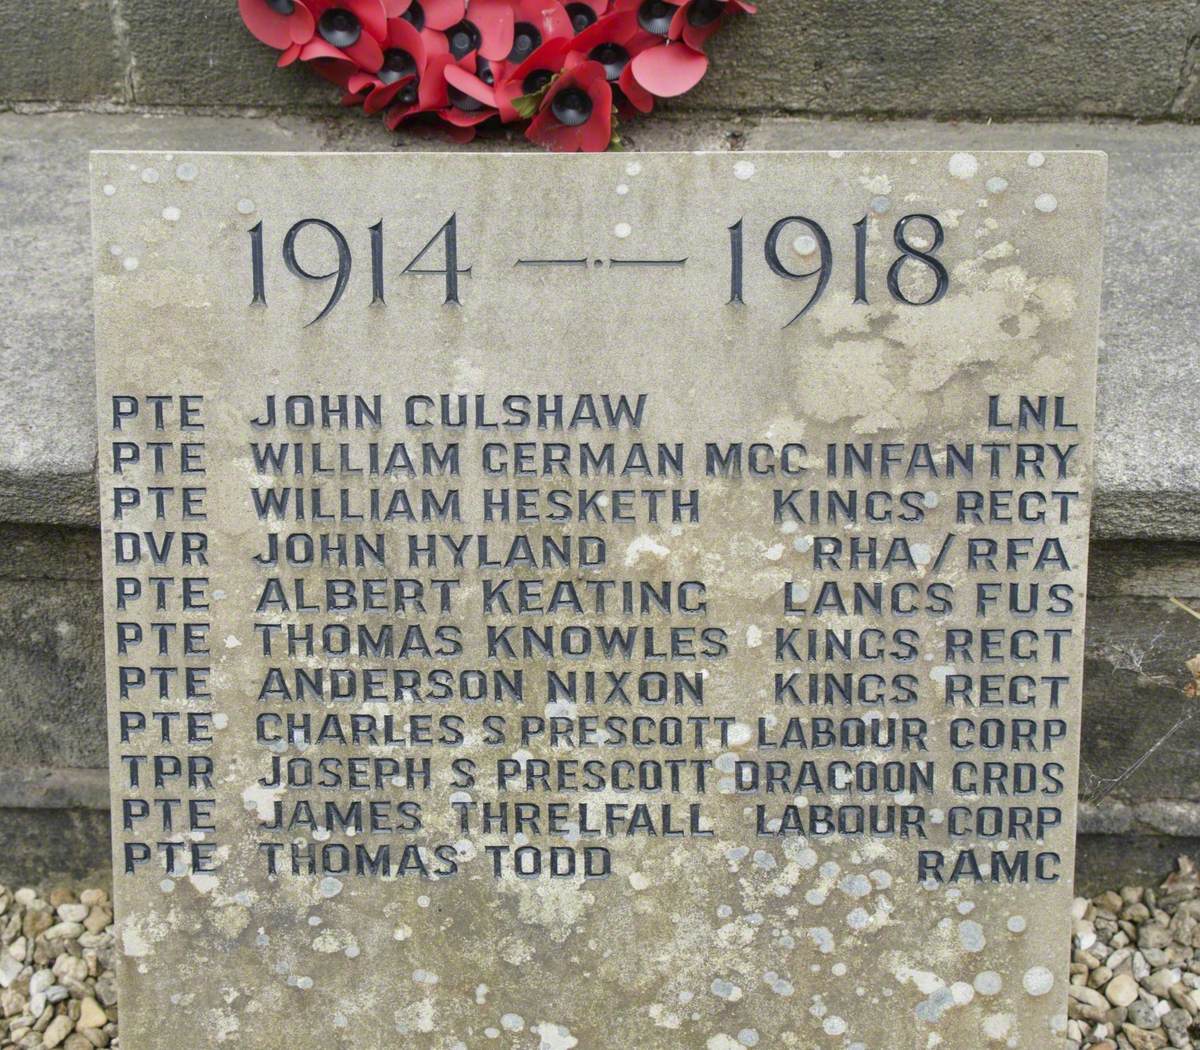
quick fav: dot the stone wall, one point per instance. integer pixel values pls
(938, 58)
(83, 74)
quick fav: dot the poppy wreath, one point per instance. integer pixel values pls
(571, 69)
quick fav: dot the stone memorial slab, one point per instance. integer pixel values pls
(624, 601)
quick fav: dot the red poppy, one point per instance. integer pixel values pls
(429, 19)
(653, 16)
(290, 55)
(633, 93)
(576, 113)
(428, 94)
(353, 30)
(431, 15)
(337, 71)
(529, 77)
(669, 69)
(280, 24)
(584, 13)
(614, 41)
(695, 21)
(471, 95)
(537, 21)
(404, 58)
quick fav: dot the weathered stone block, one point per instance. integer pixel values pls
(50, 847)
(201, 54)
(175, 321)
(1133, 699)
(972, 58)
(60, 51)
(1104, 862)
(51, 649)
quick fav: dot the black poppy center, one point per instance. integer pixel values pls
(282, 7)
(526, 40)
(703, 13)
(536, 80)
(408, 94)
(397, 64)
(571, 107)
(463, 37)
(414, 15)
(612, 57)
(581, 16)
(461, 100)
(654, 16)
(340, 27)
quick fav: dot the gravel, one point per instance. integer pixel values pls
(57, 986)
(1135, 968)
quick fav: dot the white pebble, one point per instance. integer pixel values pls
(1046, 202)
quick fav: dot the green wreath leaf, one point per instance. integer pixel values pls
(528, 105)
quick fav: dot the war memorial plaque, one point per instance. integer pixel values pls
(623, 601)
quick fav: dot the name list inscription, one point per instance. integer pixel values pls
(446, 584)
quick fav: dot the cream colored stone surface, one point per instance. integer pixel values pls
(725, 933)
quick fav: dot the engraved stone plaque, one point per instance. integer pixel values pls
(624, 601)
